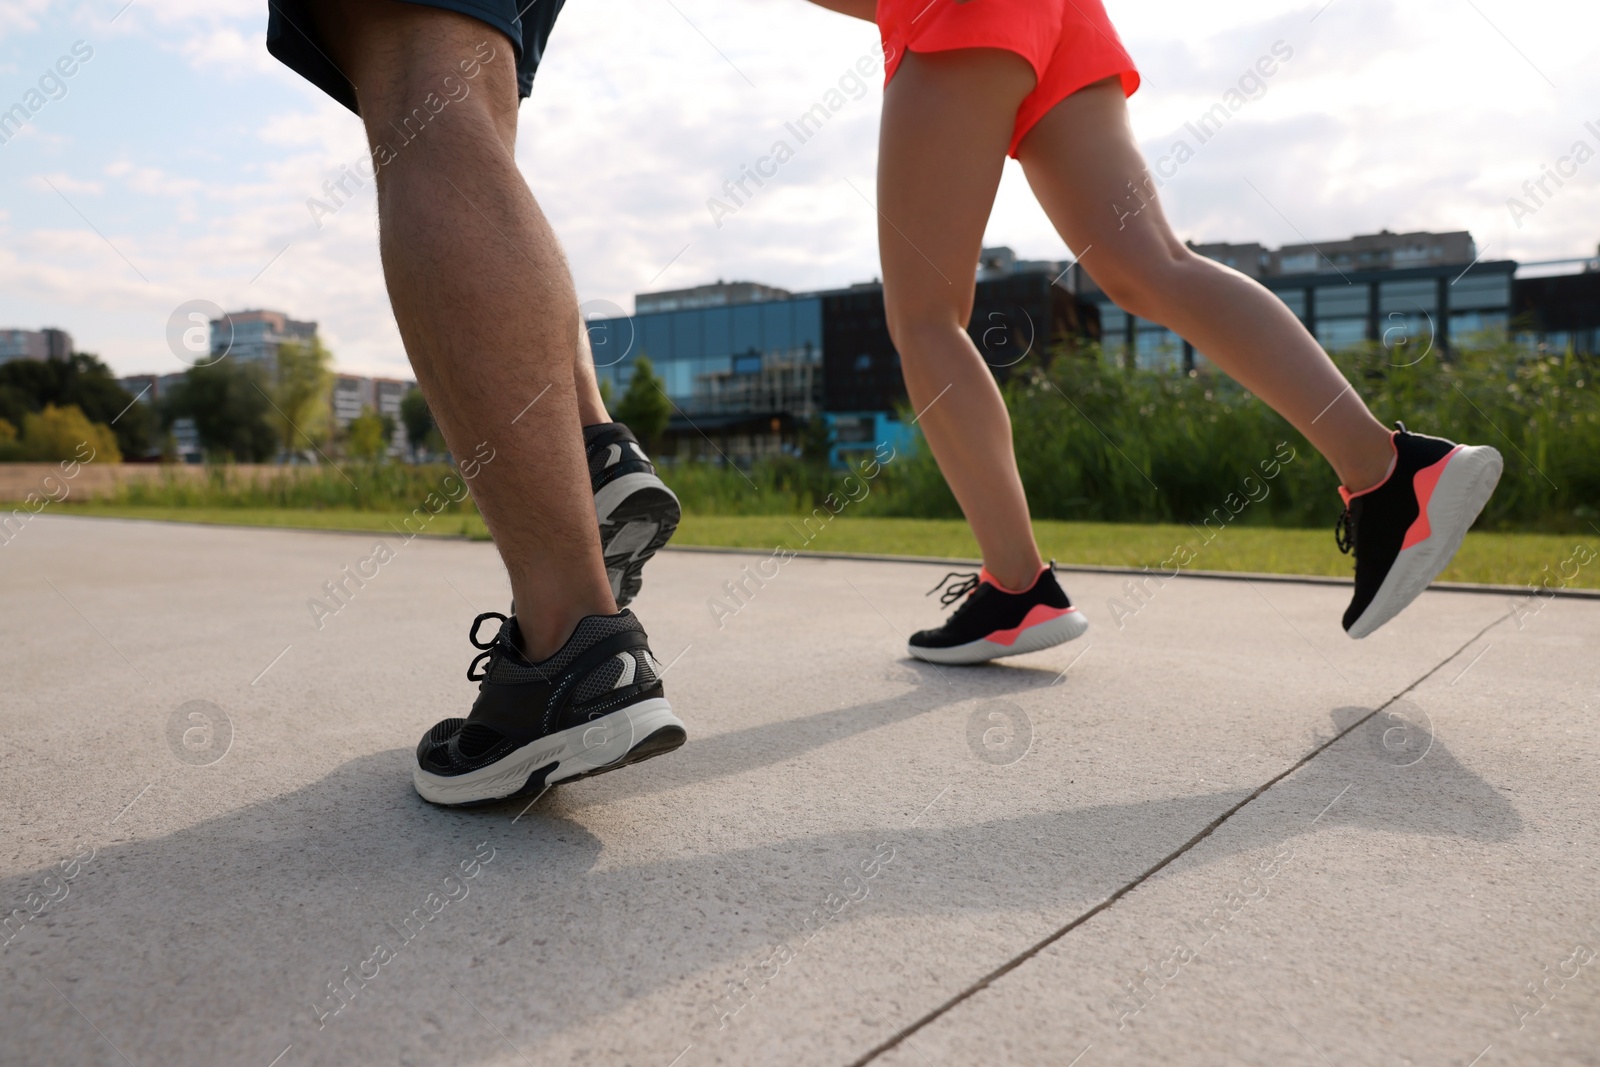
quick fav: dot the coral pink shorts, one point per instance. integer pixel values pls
(1070, 43)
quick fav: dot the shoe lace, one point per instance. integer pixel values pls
(965, 583)
(493, 648)
(1344, 531)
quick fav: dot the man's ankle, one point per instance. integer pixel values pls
(544, 628)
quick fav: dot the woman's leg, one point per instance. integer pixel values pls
(947, 121)
(1081, 160)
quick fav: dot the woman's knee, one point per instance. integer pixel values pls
(1142, 285)
(913, 323)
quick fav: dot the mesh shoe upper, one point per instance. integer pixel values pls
(1374, 523)
(987, 607)
(605, 665)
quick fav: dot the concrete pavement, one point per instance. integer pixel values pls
(1222, 832)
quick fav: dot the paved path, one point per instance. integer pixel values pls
(1221, 834)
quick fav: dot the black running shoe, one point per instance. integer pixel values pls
(594, 706)
(637, 512)
(995, 622)
(1407, 528)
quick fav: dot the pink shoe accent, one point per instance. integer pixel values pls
(1425, 482)
(985, 576)
(1393, 463)
(1036, 614)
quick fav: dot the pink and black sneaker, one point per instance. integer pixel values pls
(1407, 528)
(995, 621)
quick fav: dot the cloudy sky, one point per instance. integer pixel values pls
(176, 162)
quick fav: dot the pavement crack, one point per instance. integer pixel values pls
(903, 1034)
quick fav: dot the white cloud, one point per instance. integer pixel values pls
(18, 17)
(66, 183)
(1401, 115)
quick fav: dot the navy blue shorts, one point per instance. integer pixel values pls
(292, 38)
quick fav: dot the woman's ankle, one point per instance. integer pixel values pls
(1014, 577)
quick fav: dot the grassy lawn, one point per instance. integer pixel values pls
(1497, 558)
(470, 525)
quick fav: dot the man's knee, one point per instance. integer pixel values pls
(410, 63)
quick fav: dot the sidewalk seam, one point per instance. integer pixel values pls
(904, 1033)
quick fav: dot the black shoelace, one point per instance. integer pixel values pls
(492, 648)
(1344, 531)
(966, 582)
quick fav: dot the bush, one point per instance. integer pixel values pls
(1097, 442)
(66, 433)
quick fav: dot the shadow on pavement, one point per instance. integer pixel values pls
(224, 941)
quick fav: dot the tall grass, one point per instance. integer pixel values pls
(1104, 443)
(362, 487)
(1097, 442)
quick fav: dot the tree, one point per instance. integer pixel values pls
(644, 406)
(66, 433)
(302, 382)
(368, 435)
(228, 403)
(28, 385)
(816, 441)
(421, 432)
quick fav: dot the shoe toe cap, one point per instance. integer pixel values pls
(429, 749)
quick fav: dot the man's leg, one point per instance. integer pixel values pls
(480, 291)
(591, 405)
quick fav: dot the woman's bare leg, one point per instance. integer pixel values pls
(1080, 160)
(947, 121)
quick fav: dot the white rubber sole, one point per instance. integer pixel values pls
(638, 514)
(1058, 631)
(615, 492)
(602, 744)
(1464, 487)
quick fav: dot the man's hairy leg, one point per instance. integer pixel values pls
(481, 292)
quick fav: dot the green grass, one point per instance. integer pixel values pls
(468, 525)
(1494, 558)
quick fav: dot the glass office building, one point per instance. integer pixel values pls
(747, 367)
(744, 378)
(1445, 304)
(713, 359)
